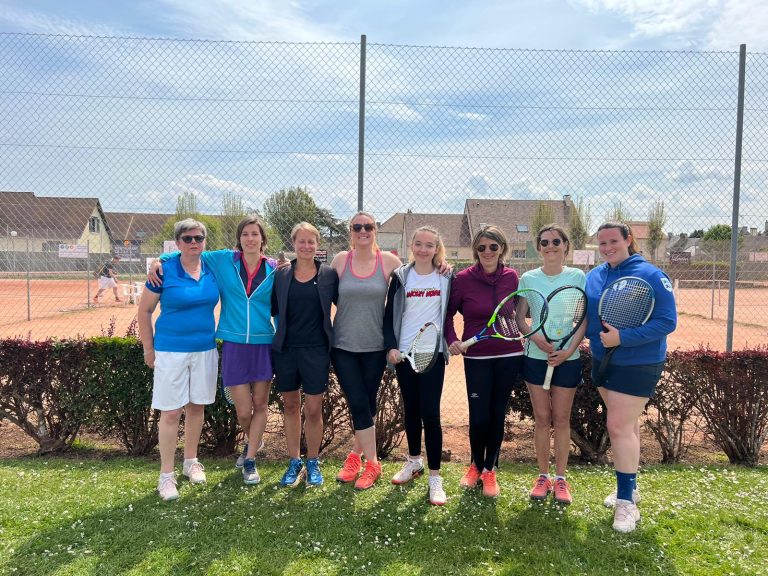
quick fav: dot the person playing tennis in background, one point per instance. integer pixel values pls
(635, 368)
(245, 277)
(358, 353)
(552, 407)
(490, 366)
(418, 294)
(301, 352)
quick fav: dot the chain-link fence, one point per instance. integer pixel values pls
(104, 142)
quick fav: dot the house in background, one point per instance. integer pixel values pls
(46, 222)
(514, 217)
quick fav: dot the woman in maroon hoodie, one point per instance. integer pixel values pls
(490, 366)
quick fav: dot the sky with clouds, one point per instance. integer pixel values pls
(136, 123)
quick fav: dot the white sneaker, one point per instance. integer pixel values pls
(195, 471)
(166, 487)
(610, 500)
(410, 470)
(437, 495)
(626, 516)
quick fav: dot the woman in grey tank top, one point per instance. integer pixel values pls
(358, 353)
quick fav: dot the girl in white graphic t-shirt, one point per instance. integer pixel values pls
(418, 294)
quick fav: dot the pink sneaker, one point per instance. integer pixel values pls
(541, 488)
(167, 489)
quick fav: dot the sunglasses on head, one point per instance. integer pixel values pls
(555, 242)
(491, 247)
(360, 227)
(188, 239)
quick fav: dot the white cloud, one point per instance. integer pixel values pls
(401, 112)
(473, 116)
(237, 20)
(41, 23)
(688, 172)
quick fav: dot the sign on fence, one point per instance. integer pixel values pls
(584, 257)
(679, 257)
(128, 251)
(322, 255)
(73, 250)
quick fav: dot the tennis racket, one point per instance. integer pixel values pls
(567, 310)
(424, 350)
(625, 303)
(503, 322)
(227, 394)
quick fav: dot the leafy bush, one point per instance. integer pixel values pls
(41, 390)
(120, 392)
(731, 394)
(670, 414)
(390, 425)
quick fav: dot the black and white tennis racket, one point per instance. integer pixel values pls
(625, 303)
(567, 310)
(424, 350)
(227, 394)
(503, 322)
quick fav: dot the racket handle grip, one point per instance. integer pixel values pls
(467, 343)
(548, 377)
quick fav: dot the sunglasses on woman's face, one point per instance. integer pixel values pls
(189, 239)
(360, 227)
(555, 242)
(491, 247)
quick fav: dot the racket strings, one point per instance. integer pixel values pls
(626, 305)
(424, 348)
(566, 311)
(505, 323)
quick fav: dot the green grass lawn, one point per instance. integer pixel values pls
(94, 516)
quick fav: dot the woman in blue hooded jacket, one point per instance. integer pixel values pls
(636, 365)
(245, 277)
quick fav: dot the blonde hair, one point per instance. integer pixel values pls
(492, 233)
(305, 226)
(439, 256)
(626, 232)
(375, 245)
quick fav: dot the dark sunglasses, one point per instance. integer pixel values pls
(189, 239)
(366, 227)
(491, 247)
(555, 242)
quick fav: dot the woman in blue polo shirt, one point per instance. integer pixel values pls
(182, 351)
(245, 276)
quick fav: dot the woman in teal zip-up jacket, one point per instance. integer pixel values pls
(245, 277)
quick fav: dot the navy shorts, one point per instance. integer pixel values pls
(633, 380)
(305, 368)
(567, 375)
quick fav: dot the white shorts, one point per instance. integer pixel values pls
(184, 377)
(106, 282)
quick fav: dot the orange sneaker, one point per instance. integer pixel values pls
(471, 477)
(370, 474)
(541, 488)
(490, 486)
(351, 468)
(562, 492)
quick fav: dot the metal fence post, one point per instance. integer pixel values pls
(361, 127)
(736, 192)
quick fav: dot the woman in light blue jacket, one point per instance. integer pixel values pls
(245, 277)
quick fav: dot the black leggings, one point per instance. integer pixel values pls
(421, 406)
(489, 385)
(359, 376)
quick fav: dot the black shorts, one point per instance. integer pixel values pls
(305, 368)
(633, 380)
(567, 375)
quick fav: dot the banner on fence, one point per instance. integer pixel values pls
(584, 257)
(680, 257)
(128, 251)
(73, 250)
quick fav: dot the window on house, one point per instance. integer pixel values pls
(522, 227)
(94, 224)
(518, 253)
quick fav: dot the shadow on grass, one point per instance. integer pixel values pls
(226, 528)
